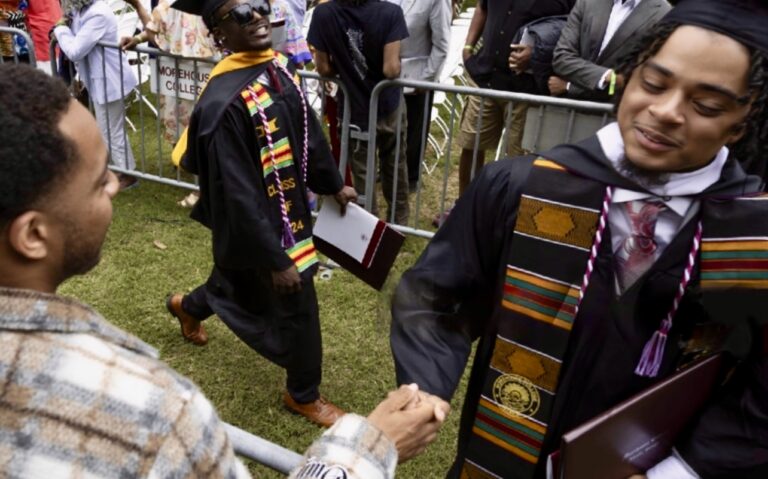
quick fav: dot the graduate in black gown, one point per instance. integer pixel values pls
(257, 147)
(594, 270)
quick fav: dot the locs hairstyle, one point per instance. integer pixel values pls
(751, 150)
(34, 154)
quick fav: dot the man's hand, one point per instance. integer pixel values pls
(288, 281)
(127, 43)
(557, 86)
(410, 419)
(465, 54)
(344, 196)
(519, 57)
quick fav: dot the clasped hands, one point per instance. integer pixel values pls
(410, 419)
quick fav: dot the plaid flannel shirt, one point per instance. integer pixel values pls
(81, 398)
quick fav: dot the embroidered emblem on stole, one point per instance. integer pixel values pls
(556, 223)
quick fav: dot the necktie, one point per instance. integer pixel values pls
(637, 252)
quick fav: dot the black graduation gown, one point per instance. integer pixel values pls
(240, 207)
(449, 297)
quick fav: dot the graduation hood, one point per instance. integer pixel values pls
(587, 159)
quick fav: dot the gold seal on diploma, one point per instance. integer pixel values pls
(516, 394)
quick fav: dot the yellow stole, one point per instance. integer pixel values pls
(233, 62)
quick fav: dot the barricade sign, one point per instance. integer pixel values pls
(187, 77)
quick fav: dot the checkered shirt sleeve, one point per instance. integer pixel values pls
(80, 398)
(353, 448)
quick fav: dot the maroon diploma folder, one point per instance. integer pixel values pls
(358, 241)
(638, 433)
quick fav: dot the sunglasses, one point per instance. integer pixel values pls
(243, 13)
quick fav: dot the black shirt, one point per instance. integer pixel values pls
(489, 68)
(354, 36)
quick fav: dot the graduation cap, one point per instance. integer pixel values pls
(203, 8)
(743, 20)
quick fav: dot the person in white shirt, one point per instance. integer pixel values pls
(104, 71)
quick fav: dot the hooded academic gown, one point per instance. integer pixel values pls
(239, 203)
(450, 297)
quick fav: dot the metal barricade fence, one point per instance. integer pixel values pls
(11, 34)
(549, 121)
(168, 86)
(168, 81)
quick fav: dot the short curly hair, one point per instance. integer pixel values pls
(34, 153)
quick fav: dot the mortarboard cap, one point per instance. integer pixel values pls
(743, 20)
(203, 8)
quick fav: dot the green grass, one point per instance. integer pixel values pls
(129, 286)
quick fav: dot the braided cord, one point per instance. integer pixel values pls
(653, 352)
(303, 101)
(595, 246)
(287, 239)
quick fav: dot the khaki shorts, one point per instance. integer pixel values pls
(494, 116)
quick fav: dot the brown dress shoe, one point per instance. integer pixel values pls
(192, 329)
(320, 411)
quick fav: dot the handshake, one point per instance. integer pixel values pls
(410, 419)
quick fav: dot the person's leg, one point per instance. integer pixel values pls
(196, 303)
(304, 366)
(304, 369)
(391, 144)
(515, 120)
(416, 133)
(191, 310)
(122, 154)
(358, 161)
(44, 67)
(470, 163)
(481, 124)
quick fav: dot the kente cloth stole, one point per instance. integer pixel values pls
(281, 173)
(734, 276)
(556, 225)
(557, 222)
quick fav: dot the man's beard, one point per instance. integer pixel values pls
(81, 252)
(647, 178)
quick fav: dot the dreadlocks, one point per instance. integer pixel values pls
(752, 148)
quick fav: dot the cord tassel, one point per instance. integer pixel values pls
(653, 353)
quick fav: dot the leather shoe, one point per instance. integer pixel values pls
(191, 328)
(320, 411)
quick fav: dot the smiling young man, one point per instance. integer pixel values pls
(256, 146)
(595, 270)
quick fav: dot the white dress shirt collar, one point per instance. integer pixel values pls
(678, 187)
(619, 12)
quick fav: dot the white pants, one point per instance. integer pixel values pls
(44, 66)
(111, 119)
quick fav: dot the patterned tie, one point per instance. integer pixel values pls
(637, 252)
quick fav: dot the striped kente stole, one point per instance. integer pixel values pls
(556, 225)
(734, 274)
(557, 220)
(282, 180)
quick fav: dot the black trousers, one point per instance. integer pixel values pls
(284, 328)
(417, 131)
